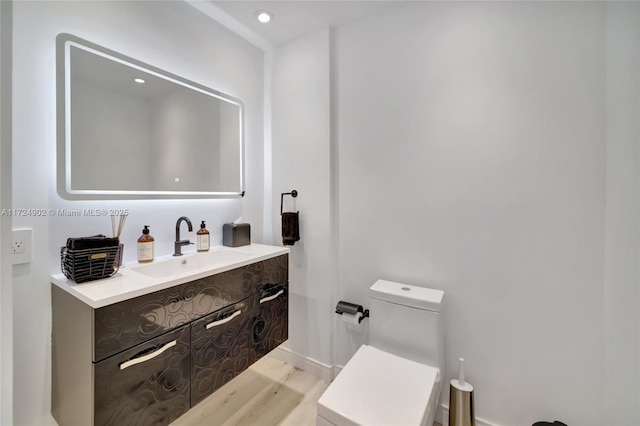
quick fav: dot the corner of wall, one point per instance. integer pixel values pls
(268, 212)
(301, 160)
(334, 188)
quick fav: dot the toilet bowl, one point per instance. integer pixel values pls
(396, 379)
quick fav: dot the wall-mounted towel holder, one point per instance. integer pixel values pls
(293, 193)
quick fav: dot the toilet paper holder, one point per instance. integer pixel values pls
(351, 309)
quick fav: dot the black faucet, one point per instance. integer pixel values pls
(179, 243)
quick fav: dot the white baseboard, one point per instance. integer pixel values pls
(329, 372)
(310, 365)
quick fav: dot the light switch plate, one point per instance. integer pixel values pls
(21, 246)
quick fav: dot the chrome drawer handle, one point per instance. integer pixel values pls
(147, 357)
(223, 321)
(269, 298)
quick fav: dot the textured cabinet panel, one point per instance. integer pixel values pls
(275, 271)
(124, 324)
(271, 326)
(152, 389)
(222, 351)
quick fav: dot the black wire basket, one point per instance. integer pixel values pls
(90, 264)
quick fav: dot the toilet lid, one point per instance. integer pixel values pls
(378, 388)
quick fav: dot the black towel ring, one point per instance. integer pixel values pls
(293, 193)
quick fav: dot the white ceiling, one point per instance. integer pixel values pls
(296, 18)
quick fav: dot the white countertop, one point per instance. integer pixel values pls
(128, 283)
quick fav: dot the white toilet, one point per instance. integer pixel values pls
(397, 378)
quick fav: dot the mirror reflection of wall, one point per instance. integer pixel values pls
(132, 129)
(185, 129)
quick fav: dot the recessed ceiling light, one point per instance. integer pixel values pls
(138, 80)
(264, 16)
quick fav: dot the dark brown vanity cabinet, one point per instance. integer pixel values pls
(226, 342)
(148, 359)
(271, 325)
(146, 384)
(221, 347)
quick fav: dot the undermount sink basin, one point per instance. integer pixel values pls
(190, 263)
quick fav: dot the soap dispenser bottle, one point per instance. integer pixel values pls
(202, 238)
(145, 246)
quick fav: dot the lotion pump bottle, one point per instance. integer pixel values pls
(202, 238)
(145, 246)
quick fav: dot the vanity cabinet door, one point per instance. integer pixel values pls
(221, 347)
(271, 325)
(145, 385)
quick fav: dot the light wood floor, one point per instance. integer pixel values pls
(268, 393)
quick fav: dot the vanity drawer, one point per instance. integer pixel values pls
(271, 326)
(144, 385)
(124, 324)
(221, 347)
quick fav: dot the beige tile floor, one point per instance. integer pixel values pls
(269, 393)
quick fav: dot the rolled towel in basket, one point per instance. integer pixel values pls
(290, 228)
(96, 241)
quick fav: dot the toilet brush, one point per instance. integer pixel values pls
(461, 410)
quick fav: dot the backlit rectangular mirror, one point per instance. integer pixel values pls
(128, 130)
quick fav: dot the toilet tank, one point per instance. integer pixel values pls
(407, 321)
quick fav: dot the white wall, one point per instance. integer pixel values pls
(621, 279)
(6, 288)
(472, 159)
(170, 35)
(471, 153)
(301, 161)
(489, 150)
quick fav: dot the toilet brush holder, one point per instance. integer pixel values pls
(461, 409)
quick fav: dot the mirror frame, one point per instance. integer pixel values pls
(63, 153)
